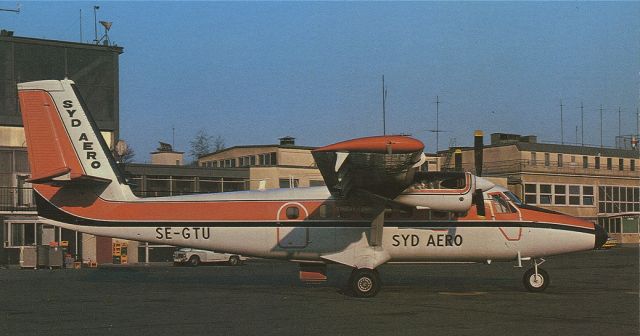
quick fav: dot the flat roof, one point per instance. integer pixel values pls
(171, 170)
(258, 146)
(68, 44)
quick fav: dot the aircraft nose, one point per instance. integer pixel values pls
(601, 236)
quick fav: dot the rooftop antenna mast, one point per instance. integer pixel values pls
(619, 122)
(80, 25)
(582, 123)
(95, 22)
(437, 123)
(601, 125)
(561, 124)
(384, 108)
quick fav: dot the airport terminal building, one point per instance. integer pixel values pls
(595, 183)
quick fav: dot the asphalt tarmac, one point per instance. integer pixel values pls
(591, 293)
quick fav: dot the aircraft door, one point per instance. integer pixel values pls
(503, 211)
(289, 233)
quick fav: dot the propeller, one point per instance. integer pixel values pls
(478, 197)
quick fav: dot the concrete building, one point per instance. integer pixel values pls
(598, 184)
(282, 165)
(165, 155)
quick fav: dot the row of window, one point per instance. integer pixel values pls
(620, 224)
(265, 159)
(150, 185)
(620, 164)
(559, 194)
(615, 199)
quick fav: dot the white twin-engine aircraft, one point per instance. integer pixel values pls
(377, 207)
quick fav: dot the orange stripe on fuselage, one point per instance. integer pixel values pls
(539, 216)
(83, 203)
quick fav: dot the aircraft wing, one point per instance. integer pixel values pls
(383, 166)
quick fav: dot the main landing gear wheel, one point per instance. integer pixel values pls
(364, 282)
(194, 261)
(536, 282)
(234, 261)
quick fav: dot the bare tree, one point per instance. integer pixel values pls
(123, 153)
(218, 143)
(203, 143)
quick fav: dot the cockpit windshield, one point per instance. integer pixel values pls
(513, 197)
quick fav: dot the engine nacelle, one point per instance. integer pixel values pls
(441, 191)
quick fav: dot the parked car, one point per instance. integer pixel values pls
(194, 257)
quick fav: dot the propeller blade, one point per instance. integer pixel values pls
(478, 201)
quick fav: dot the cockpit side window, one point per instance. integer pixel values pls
(513, 197)
(501, 205)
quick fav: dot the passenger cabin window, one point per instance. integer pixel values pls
(323, 211)
(293, 212)
(345, 211)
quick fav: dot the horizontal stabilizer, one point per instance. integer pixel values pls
(65, 176)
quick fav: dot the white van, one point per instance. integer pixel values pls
(193, 257)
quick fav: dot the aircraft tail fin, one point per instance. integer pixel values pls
(63, 142)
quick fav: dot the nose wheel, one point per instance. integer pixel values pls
(536, 279)
(364, 282)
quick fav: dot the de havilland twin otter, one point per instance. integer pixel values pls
(377, 207)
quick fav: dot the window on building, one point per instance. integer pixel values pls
(560, 162)
(587, 195)
(585, 162)
(618, 199)
(253, 160)
(209, 186)
(597, 162)
(530, 193)
(574, 195)
(547, 160)
(317, 183)
(533, 158)
(286, 183)
(632, 165)
(609, 163)
(545, 193)
(620, 164)
(182, 185)
(560, 194)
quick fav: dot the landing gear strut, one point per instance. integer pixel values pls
(364, 282)
(536, 279)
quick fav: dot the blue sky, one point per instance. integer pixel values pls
(254, 72)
